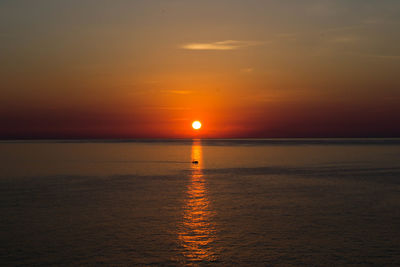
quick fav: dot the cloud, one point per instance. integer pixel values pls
(344, 39)
(396, 57)
(325, 8)
(179, 92)
(247, 70)
(164, 108)
(222, 45)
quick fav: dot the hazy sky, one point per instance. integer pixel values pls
(244, 68)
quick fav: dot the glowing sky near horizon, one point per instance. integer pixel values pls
(251, 68)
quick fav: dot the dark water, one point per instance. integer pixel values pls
(246, 202)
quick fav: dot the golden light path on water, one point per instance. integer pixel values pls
(197, 232)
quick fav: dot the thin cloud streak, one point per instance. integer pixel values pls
(178, 92)
(221, 45)
(396, 57)
(247, 70)
(165, 108)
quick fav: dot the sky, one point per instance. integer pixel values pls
(244, 68)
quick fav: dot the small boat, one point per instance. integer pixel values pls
(195, 162)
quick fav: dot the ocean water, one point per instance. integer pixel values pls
(314, 202)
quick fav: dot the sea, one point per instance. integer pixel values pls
(227, 202)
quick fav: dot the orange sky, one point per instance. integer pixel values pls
(147, 69)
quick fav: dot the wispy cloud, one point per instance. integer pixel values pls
(178, 92)
(345, 39)
(165, 108)
(247, 70)
(395, 57)
(222, 45)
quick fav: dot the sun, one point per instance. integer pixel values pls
(196, 125)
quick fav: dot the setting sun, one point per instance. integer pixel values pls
(196, 125)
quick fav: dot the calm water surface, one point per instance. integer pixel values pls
(247, 202)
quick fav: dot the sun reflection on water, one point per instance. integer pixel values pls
(197, 231)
